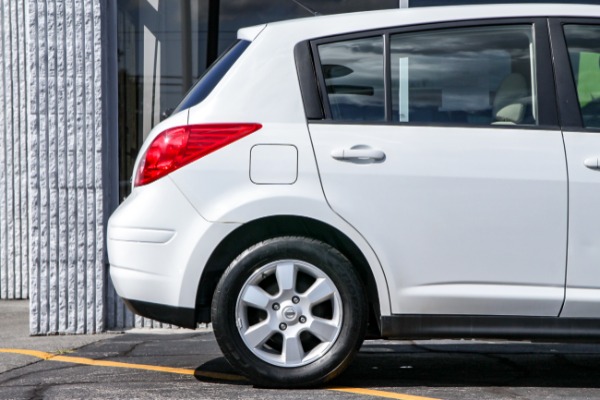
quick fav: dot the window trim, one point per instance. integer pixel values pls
(546, 95)
(568, 100)
(309, 86)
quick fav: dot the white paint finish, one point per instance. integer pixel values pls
(456, 206)
(231, 190)
(166, 272)
(258, 87)
(273, 164)
(583, 274)
(233, 199)
(250, 33)
(263, 73)
(293, 31)
(254, 86)
(478, 226)
(451, 298)
(143, 235)
(581, 302)
(118, 315)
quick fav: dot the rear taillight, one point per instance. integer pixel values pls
(176, 147)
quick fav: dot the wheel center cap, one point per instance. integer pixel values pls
(289, 313)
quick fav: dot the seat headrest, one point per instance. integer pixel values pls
(508, 103)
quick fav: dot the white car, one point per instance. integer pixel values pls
(413, 173)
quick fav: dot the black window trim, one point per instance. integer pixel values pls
(305, 68)
(568, 101)
(546, 95)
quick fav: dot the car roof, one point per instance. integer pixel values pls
(306, 28)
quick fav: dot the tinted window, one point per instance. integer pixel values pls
(212, 76)
(583, 42)
(353, 73)
(479, 76)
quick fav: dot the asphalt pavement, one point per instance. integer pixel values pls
(14, 334)
(145, 364)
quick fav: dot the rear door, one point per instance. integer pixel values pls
(441, 147)
(576, 45)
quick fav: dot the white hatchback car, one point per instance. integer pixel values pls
(414, 173)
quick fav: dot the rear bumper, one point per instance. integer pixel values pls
(158, 246)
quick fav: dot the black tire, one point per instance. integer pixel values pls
(315, 355)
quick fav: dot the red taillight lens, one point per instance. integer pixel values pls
(176, 147)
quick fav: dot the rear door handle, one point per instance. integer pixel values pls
(592, 163)
(358, 153)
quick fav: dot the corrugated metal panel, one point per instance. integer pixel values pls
(14, 277)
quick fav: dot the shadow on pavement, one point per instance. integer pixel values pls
(455, 364)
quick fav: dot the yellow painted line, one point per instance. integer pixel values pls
(116, 364)
(34, 353)
(379, 393)
(184, 371)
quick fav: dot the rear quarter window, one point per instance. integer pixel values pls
(213, 75)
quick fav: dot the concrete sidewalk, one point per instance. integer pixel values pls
(14, 334)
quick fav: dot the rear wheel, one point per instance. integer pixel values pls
(289, 312)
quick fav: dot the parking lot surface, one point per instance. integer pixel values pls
(190, 366)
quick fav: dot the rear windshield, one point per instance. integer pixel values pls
(212, 76)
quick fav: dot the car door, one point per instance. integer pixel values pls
(440, 146)
(576, 45)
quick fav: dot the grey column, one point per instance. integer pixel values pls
(14, 240)
(70, 136)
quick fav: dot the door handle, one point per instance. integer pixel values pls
(358, 153)
(592, 163)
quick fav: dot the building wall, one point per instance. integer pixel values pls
(69, 140)
(58, 163)
(14, 210)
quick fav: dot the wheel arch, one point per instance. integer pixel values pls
(285, 225)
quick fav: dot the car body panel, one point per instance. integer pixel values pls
(583, 275)
(512, 179)
(152, 241)
(464, 220)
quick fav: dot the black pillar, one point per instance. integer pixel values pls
(212, 48)
(186, 46)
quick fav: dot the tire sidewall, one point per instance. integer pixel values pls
(329, 261)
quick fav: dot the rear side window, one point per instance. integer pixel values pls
(583, 42)
(479, 75)
(213, 75)
(473, 76)
(353, 73)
